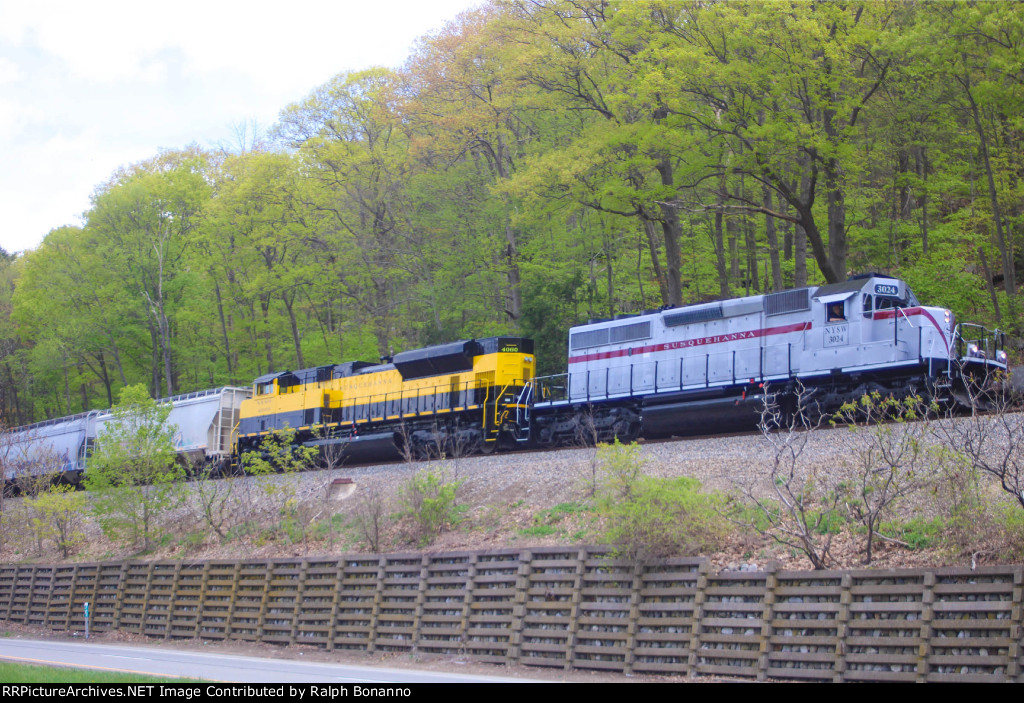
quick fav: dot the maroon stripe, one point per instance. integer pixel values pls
(698, 342)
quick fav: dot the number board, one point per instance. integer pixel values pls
(886, 289)
(835, 335)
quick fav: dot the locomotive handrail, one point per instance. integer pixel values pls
(990, 339)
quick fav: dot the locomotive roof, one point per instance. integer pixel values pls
(267, 377)
(851, 286)
(789, 300)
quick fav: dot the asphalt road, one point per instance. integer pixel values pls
(216, 667)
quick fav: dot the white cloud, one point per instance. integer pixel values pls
(90, 86)
(9, 71)
(16, 117)
(110, 40)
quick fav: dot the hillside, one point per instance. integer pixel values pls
(523, 499)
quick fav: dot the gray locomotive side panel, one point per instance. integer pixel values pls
(802, 333)
(704, 346)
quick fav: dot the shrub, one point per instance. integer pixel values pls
(132, 476)
(886, 459)
(619, 468)
(663, 518)
(57, 515)
(1009, 519)
(803, 511)
(539, 531)
(431, 503)
(369, 516)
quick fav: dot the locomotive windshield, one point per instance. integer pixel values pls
(887, 302)
(886, 297)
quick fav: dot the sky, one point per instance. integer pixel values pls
(86, 87)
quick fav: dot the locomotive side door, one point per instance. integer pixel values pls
(872, 328)
(832, 335)
(835, 331)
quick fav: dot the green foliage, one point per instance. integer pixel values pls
(957, 493)
(546, 522)
(1009, 519)
(827, 522)
(917, 533)
(276, 453)
(277, 499)
(23, 673)
(329, 528)
(648, 518)
(191, 541)
(132, 475)
(292, 529)
(539, 531)
(57, 516)
(757, 518)
(431, 503)
(619, 468)
(561, 511)
(665, 517)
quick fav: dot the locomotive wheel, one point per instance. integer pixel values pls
(424, 451)
(626, 432)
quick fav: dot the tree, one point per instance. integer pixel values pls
(802, 511)
(145, 221)
(887, 458)
(78, 315)
(132, 475)
(977, 53)
(352, 150)
(57, 515)
(991, 439)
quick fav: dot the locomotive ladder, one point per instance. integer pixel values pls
(523, 403)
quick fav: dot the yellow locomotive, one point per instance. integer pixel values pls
(465, 396)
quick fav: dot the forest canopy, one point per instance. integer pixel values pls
(532, 165)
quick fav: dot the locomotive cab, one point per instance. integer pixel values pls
(875, 324)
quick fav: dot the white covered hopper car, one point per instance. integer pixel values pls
(204, 424)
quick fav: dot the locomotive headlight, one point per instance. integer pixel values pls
(972, 350)
(1001, 356)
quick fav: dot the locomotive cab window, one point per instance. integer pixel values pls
(835, 312)
(868, 306)
(887, 303)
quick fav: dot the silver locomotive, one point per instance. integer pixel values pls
(703, 368)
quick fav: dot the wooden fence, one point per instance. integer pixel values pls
(562, 608)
